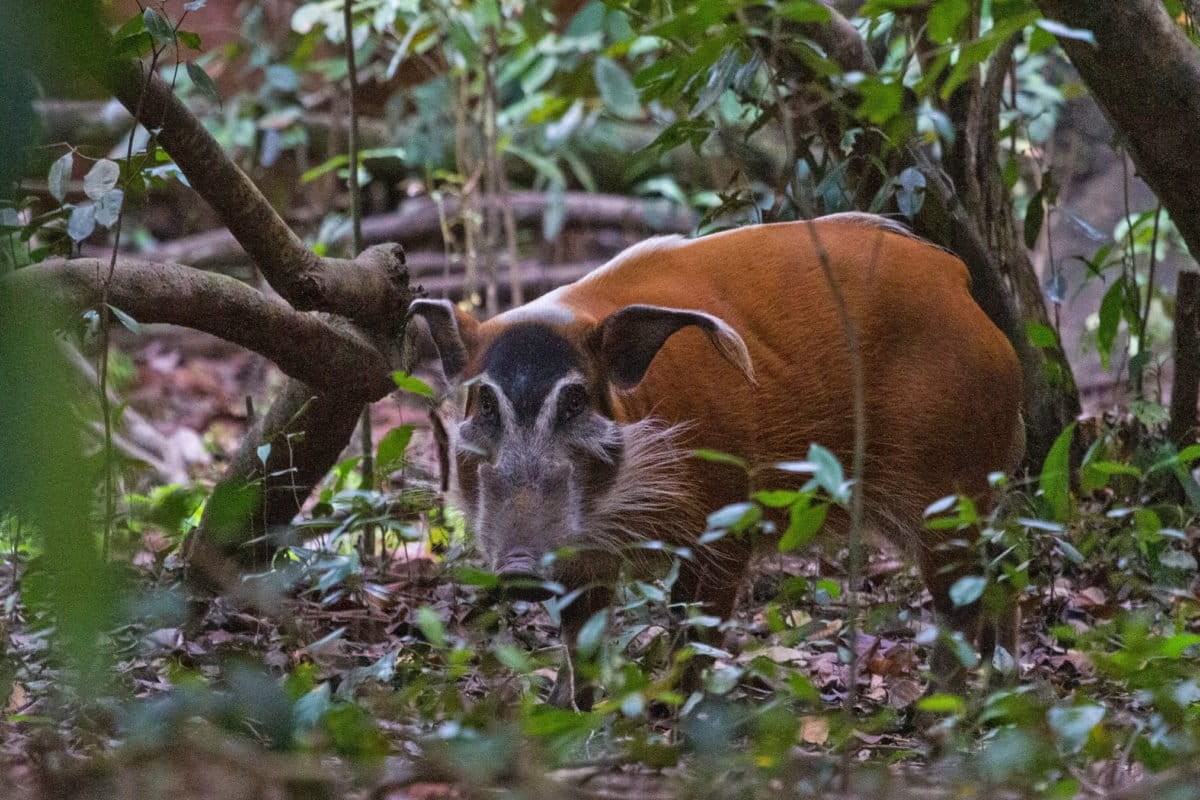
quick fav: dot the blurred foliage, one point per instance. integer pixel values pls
(652, 99)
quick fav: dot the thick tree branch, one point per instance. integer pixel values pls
(1145, 75)
(374, 293)
(318, 350)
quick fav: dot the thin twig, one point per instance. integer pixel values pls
(854, 351)
(365, 438)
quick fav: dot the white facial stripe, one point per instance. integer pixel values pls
(545, 418)
(546, 309)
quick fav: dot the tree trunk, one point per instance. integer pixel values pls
(1185, 387)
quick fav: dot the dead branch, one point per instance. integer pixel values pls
(371, 291)
(320, 351)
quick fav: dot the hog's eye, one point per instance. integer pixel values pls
(572, 402)
(488, 411)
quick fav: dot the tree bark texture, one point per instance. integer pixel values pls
(306, 432)
(1185, 386)
(326, 352)
(370, 292)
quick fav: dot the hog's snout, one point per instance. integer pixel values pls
(520, 578)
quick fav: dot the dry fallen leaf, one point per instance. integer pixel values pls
(814, 730)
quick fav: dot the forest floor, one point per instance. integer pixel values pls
(208, 698)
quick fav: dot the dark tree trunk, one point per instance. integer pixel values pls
(1185, 388)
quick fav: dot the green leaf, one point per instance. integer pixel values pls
(967, 590)
(777, 498)
(1041, 336)
(1066, 32)
(720, 458)
(60, 174)
(828, 473)
(1055, 481)
(1034, 215)
(82, 222)
(392, 446)
(910, 192)
(431, 626)
(101, 178)
(311, 707)
(108, 208)
(803, 523)
(591, 635)
(126, 320)
(946, 18)
(408, 383)
(736, 517)
(134, 46)
(1110, 321)
(158, 27)
(804, 11)
(190, 39)
(940, 506)
(203, 83)
(1074, 724)
(719, 76)
(942, 704)
(616, 89)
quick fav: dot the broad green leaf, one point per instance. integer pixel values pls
(735, 517)
(408, 383)
(1074, 724)
(1034, 215)
(203, 83)
(803, 523)
(804, 11)
(1110, 320)
(82, 222)
(311, 707)
(158, 27)
(616, 89)
(967, 590)
(190, 39)
(1041, 336)
(828, 473)
(108, 207)
(591, 635)
(942, 704)
(393, 445)
(60, 175)
(910, 192)
(1055, 481)
(946, 18)
(431, 626)
(719, 76)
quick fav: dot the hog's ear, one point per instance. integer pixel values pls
(628, 340)
(448, 335)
